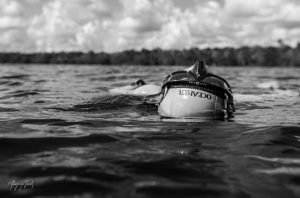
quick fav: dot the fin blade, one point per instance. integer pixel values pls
(199, 68)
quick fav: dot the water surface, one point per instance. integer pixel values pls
(57, 133)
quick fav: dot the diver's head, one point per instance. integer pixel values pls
(138, 83)
(194, 92)
(196, 72)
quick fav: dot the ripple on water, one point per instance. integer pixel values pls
(19, 93)
(17, 76)
(20, 146)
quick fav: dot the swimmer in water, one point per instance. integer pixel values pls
(191, 93)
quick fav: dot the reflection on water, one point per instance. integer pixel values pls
(58, 132)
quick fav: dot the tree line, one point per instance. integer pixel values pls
(243, 56)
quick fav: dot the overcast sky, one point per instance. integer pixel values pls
(116, 25)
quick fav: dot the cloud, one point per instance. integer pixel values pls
(10, 7)
(264, 22)
(115, 25)
(74, 25)
(7, 22)
(10, 14)
(145, 16)
(13, 27)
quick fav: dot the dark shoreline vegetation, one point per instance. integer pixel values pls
(243, 56)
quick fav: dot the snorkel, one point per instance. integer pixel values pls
(196, 93)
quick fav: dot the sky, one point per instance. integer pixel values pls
(117, 25)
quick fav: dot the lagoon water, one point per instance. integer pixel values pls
(60, 138)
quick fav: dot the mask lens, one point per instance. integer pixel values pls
(182, 76)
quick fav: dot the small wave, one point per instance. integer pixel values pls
(118, 99)
(183, 191)
(112, 77)
(14, 146)
(250, 106)
(87, 172)
(21, 93)
(278, 93)
(4, 82)
(41, 121)
(281, 170)
(175, 168)
(287, 78)
(10, 83)
(55, 122)
(269, 85)
(276, 159)
(68, 186)
(289, 137)
(39, 102)
(113, 102)
(8, 109)
(18, 76)
(39, 81)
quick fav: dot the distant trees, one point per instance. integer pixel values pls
(243, 56)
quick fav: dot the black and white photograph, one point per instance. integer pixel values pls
(150, 98)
